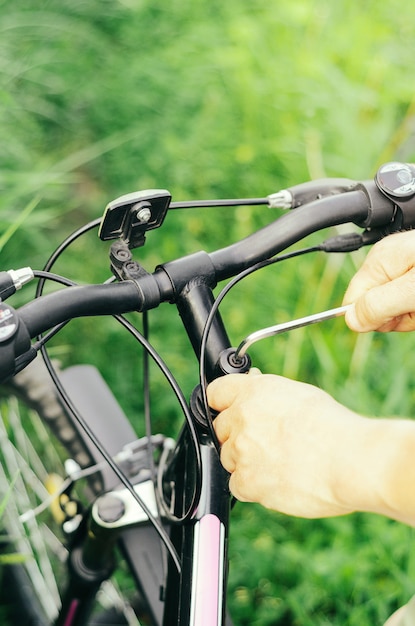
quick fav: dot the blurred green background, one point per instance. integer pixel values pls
(210, 100)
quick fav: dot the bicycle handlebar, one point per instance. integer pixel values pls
(44, 313)
(363, 204)
(288, 229)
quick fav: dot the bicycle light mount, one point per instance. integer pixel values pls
(129, 217)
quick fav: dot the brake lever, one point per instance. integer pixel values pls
(286, 326)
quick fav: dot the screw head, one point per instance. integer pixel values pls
(110, 508)
(122, 255)
(143, 214)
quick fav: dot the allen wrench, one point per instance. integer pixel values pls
(264, 333)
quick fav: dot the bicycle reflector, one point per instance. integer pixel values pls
(129, 217)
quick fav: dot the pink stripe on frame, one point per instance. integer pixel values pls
(207, 584)
(71, 613)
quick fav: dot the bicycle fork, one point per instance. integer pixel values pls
(90, 564)
(92, 556)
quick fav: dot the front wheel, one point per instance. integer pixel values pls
(34, 446)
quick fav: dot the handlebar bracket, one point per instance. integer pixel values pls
(124, 267)
(188, 270)
(380, 210)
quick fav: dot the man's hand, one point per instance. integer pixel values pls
(291, 447)
(383, 289)
(287, 445)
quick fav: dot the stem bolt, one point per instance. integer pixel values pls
(110, 508)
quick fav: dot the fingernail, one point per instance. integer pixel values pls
(254, 371)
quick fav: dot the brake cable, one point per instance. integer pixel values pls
(148, 349)
(222, 294)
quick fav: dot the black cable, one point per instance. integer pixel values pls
(40, 346)
(212, 313)
(198, 204)
(149, 431)
(108, 459)
(45, 275)
(186, 412)
(148, 348)
(62, 247)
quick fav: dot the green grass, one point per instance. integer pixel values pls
(220, 99)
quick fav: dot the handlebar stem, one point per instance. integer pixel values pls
(194, 306)
(183, 273)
